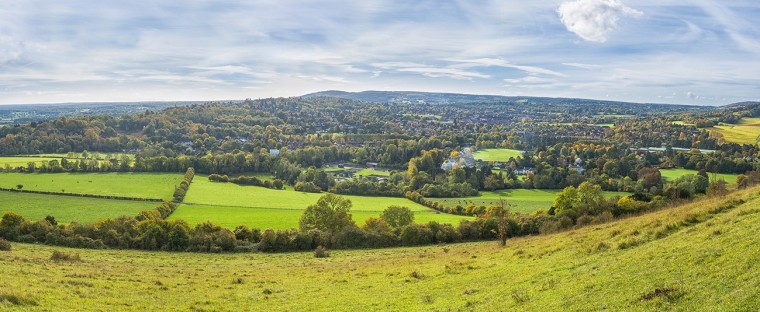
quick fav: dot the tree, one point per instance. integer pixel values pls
(331, 214)
(500, 213)
(398, 216)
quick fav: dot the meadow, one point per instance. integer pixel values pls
(520, 200)
(67, 209)
(22, 161)
(672, 174)
(364, 172)
(230, 205)
(264, 218)
(139, 185)
(747, 131)
(700, 256)
(496, 154)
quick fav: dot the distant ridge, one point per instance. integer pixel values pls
(452, 98)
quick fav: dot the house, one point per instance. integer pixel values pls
(524, 171)
(372, 165)
(274, 152)
(577, 169)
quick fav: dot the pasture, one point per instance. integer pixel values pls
(688, 258)
(264, 218)
(747, 131)
(672, 174)
(67, 209)
(520, 200)
(496, 154)
(139, 185)
(230, 205)
(22, 161)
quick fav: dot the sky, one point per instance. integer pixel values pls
(664, 51)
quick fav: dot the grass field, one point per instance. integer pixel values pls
(20, 161)
(66, 209)
(672, 174)
(142, 185)
(230, 205)
(264, 218)
(521, 200)
(746, 131)
(685, 259)
(363, 172)
(496, 154)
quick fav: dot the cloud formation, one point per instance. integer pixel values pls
(144, 50)
(594, 20)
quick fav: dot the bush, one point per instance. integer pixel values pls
(321, 252)
(308, 187)
(58, 256)
(5, 245)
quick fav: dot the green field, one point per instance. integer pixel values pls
(496, 154)
(521, 200)
(747, 131)
(66, 209)
(21, 161)
(685, 258)
(264, 218)
(672, 174)
(141, 185)
(363, 172)
(230, 205)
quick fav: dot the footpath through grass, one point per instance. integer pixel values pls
(701, 256)
(140, 185)
(67, 209)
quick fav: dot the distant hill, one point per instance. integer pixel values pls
(449, 98)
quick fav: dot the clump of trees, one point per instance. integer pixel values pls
(276, 184)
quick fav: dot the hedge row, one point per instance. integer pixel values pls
(181, 191)
(277, 184)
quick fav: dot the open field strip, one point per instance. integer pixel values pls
(230, 205)
(685, 258)
(67, 209)
(746, 131)
(138, 185)
(521, 200)
(496, 154)
(672, 174)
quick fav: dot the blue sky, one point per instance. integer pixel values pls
(693, 52)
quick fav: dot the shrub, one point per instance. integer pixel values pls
(58, 256)
(5, 245)
(321, 252)
(308, 187)
(416, 234)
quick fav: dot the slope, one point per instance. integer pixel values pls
(700, 256)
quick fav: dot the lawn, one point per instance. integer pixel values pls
(746, 131)
(67, 209)
(264, 218)
(365, 172)
(142, 185)
(672, 174)
(521, 200)
(662, 261)
(497, 154)
(230, 205)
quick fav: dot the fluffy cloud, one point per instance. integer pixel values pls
(593, 20)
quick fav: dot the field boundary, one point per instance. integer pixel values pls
(116, 197)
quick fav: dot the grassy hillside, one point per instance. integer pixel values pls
(66, 209)
(701, 256)
(141, 185)
(747, 131)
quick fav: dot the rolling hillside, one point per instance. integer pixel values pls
(700, 256)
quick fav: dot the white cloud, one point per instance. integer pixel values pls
(502, 63)
(593, 20)
(582, 65)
